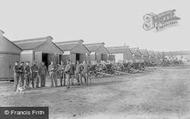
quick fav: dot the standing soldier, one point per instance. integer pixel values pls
(21, 71)
(16, 75)
(72, 73)
(27, 76)
(85, 72)
(61, 73)
(67, 73)
(52, 72)
(35, 78)
(78, 73)
(43, 74)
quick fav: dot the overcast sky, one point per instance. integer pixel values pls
(115, 22)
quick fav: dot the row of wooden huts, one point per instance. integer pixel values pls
(44, 49)
(126, 54)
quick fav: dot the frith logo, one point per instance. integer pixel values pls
(160, 21)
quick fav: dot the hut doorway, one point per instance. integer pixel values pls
(45, 59)
(102, 57)
(60, 59)
(77, 57)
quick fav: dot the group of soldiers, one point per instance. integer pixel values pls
(35, 75)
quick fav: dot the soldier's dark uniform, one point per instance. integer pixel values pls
(68, 73)
(78, 72)
(21, 74)
(52, 72)
(16, 76)
(43, 73)
(27, 71)
(61, 74)
(35, 77)
(72, 73)
(85, 72)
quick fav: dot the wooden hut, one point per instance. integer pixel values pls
(9, 54)
(121, 53)
(74, 50)
(39, 50)
(98, 52)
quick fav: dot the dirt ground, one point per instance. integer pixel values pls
(161, 93)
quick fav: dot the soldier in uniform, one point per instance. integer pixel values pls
(61, 73)
(21, 71)
(16, 75)
(35, 78)
(78, 73)
(67, 73)
(72, 73)
(43, 74)
(27, 71)
(52, 71)
(85, 72)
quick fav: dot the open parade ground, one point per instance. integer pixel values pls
(158, 93)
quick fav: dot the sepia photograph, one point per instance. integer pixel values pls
(94, 59)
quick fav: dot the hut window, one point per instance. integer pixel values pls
(66, 52)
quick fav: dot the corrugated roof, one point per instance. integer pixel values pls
(1, 33)
(68, 45)
(6, 46)
(94, 46)
(30, 44)
(12, 43)
(117, 49)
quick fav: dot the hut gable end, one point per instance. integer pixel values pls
(103, 50)
(49, 47)
(42, 44)
(80, 49)
(118, 49)
(97, 48)
(7, 46)
(32, 44)
(75, 46)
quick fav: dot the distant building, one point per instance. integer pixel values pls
(9, 54)
(73, 50)
(179, 55)
(120, 54)
(169, 55)
(39, 50)
(98, 52)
